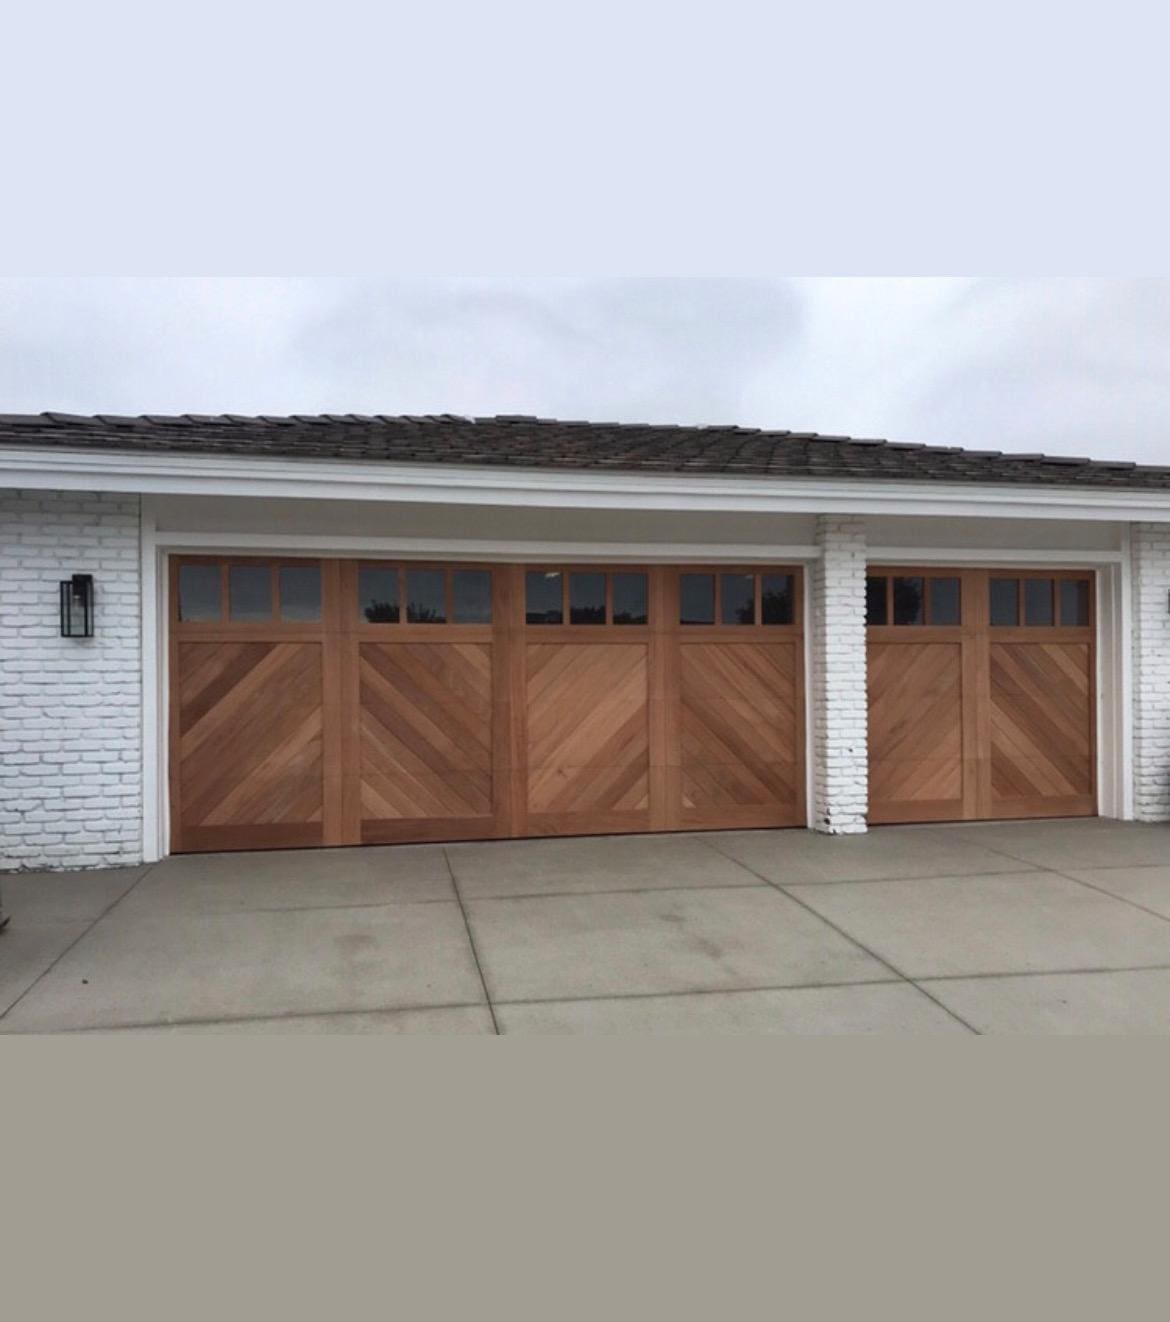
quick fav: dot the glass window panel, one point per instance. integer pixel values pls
(543, 604)
(875, 601)
(1038, 605)
(909, 600)
(1074, 601)
(586, 598)
(426, 600)
(629, 599)
(250, 592)
(300, 592)
(1005, 601)
(777, 599)
(199, 592)
(471, 590)
(378, 595)
(945, 601)
(738, 598)
(696, 604)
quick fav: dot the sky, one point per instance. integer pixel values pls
(1060, 366)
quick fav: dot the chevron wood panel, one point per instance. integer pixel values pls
(250, 746)
(425, 735)
(587, 735)
(1041, 726)
(915, 731)
(739, 745)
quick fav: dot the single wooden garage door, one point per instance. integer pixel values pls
(328, 702)
(981, 694)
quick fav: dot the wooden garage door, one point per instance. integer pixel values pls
(980, 694)
(342, 702)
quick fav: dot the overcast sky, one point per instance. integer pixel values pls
(1065, 366)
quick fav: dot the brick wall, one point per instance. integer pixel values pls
(839, 714)
(1151, 661)
(70, 709)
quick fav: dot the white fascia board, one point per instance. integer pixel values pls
(229, 475)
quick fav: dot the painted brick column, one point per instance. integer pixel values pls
(1150, 550)
(839, 707)
(70, 708)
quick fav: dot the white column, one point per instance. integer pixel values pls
(839, 707)
(1150, 569)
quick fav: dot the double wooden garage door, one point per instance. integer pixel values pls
(332, 702)
(981, 694)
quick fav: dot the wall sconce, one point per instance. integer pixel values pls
(77, 606)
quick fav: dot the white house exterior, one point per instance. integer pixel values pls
(852, 550)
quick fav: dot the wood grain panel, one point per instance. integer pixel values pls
(739, 726)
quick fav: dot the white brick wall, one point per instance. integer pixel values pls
(70, 709)
(839, 714)
(1151, 661)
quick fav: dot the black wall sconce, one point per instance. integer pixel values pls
(77, 606)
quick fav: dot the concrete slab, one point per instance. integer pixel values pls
(881, 1008)
(154, 967)
(294, 879)
(456, 1020)
(601, 863)
(64, 897)
(601, 945)
(1068, 1003)
(26, 950)
(1147, 886)
(1091, 842)
(1019, 923)
(802, 857)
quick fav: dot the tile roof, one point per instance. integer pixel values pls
(526, 442)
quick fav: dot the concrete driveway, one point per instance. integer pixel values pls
(1037, 927)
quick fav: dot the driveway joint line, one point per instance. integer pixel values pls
(698, 991)
(487, 996)
(619, 890)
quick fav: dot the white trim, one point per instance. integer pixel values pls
(154, 690)
(230, 475)
(810, 763)
(1125, 674)
(989, 556)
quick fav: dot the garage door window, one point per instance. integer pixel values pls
(300, 593)
(200, 592)
(250, 593)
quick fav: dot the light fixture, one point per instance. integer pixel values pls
(77, 606)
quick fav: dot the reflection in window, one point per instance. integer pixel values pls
(1038, 604)
(300, 592)
(378, 595)
(586, 598)
(777, 599)
(250, 592)
(543, 603)
(738, 603)
(426, 601)
(1005, 601)
(199, 592)
(471, 592)
(909, 601)
(875, 600)
(945, 601)
(629, 599)
(1074, 602)
(696, 598)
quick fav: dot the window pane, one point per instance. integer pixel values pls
(199, 589)
(1074, 601)
(777, 599)
(586, 598)
(629, 599)
(696, 598)
(300, 592)
(378, 595)
(1038, 608)
(944, 601)
(250, 592)
(472, 592)
(909, 601)
(1005, 601)
(739, 599)
(543, 598)
(875, 601)
(426, 601)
